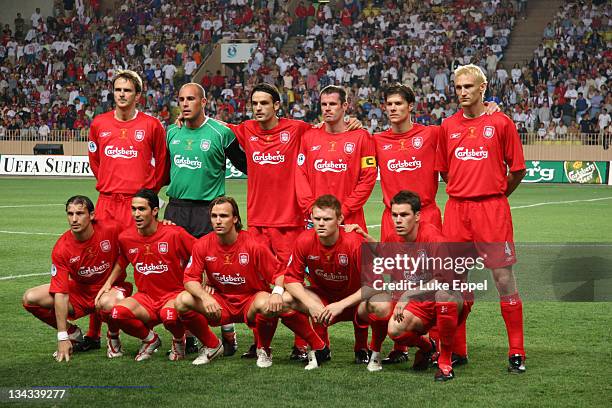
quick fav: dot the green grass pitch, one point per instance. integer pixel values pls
(568, 344)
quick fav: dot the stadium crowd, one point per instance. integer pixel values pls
(49, 81)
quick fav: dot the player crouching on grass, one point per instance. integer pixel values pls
(159, 253)
(412, 315)
(82, 260)
(238, 271)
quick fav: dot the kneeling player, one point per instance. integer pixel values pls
(159, 254)
(333, 259)
(240, 271)
(82, 260)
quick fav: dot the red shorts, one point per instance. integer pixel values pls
(153, 306)
(348, 315)
(116, 207)
(487, 223)
(82, 297)
(430, 214)
(234, 310)
(279, 239)
(426, 311)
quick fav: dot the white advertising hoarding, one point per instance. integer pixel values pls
(237, 53)
(21, 165)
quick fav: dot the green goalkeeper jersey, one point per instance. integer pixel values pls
(197, 169)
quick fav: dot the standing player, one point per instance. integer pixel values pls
(198, 152)
(333, 259)
(127, 152)
(481, 159)
(240, 270)
(159, 254)
(82, 260)
(335, 161)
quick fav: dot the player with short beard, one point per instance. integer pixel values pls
(481, 158)
(82, 260)
(238, 271)
(127, 152)
(159, 254)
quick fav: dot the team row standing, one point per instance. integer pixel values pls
(480, 148)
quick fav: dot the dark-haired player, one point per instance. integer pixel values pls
(159, 254)
(82, 261)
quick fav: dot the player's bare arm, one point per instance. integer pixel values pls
(64, 345)
(108, 284)
(210, 306)
(298, 292)
(356, 228)
(334, 309)
(275, 301)
(514, 179)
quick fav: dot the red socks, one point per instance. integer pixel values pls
(169, 318)
(298, 341)
(95, 325)
(446, 315)
(411, 338)
(198, 326)
(44, 314)
(127, 321)
(512, 312)
(321, 331)
(299, 324)
(266, 327)
(361, 336)
(379, 331)
(460, 340)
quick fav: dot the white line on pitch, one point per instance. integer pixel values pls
(29, 233)
(22, 276)
(540, 204)
(28, 205)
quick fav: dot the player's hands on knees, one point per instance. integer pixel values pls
(209, 289)
(330, 312)
(64, 350)
(398, 312)
(104, 289)
(315, 311)
(212, 309)
(275, 303)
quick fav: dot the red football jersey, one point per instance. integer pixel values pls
(159, 259)
(88, 263)
(235, 271)
(333, 270)
(406, 162)
(476, 154)
(342, 164)
(271, 156)
(128, 156)
(427, 233)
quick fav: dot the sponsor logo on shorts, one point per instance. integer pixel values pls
(455, 135)
(417, 142)
(488, 132)
(285, 137)
(243, 258)
(132, 251)
(330, 276)
(349, 147)
(229, 279)
(162, 247)
(148, 269)
(186, 163)
(105, 133)
(403, 165)
(75, 259)
(88, 271)
(139, 135)
(120, 152)
(205, 145)
(211, 258)
(268, 158)
(325, 166)
(92, 147)
(105, 245)
(53, 270)
(343, 259)
(315, 148)
(465, 154)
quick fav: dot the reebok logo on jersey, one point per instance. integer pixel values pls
(315, 148)
(148, 269)
(267, 158)
(229, 279)
(186, 163)
(387, 147)
(465, 154)
(253, 138)
(325, 166)
(455, 135)
(75, 259)
(403, 165)
(210, 258)
(94, 270)
(120, 152)
(105, 133)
